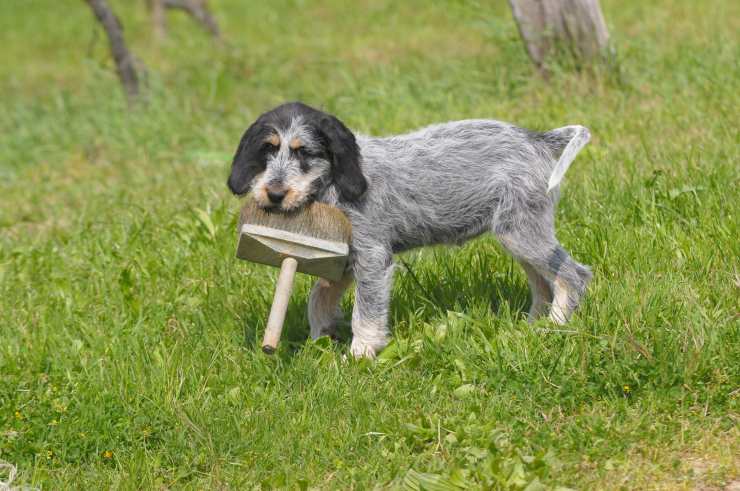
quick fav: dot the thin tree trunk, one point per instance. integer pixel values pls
(158, 18)
(198, 10)
(121, 55)
(548, 25)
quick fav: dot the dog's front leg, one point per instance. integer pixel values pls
(323, 305)
(373, 269)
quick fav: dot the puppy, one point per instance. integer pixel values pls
(445, 183)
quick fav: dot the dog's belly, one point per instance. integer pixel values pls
(450, 228)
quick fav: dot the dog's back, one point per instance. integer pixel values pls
(449, 182)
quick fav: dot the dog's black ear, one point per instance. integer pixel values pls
(249, 158)
(345, 156)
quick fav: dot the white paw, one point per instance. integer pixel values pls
(360, 349)
(557, 315)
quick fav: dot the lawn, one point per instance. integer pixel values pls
(129, 333)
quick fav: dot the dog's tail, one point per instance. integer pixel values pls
(568, 141)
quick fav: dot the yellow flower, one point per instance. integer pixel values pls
(626, 389)
(49, 454)
(108, 454)
(18, 415)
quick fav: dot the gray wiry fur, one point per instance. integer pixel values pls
(445, 183)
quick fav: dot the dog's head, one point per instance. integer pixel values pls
(291, 154)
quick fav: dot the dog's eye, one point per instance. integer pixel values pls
(269, 147)
(302, 152)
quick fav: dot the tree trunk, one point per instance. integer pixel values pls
(158, 18)
(198, 10)
(549, 25)
(121, 55)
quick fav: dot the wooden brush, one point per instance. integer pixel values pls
(314, 240)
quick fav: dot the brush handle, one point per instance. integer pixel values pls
(279, 305)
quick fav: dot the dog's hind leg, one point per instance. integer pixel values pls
(569, 284)
(541, 292)
(323, 305)
(540, 250)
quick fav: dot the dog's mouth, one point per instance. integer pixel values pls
(291, 202)
(270, 208)
(282, 208)
(279, 210)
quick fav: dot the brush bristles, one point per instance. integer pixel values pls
(315, 220)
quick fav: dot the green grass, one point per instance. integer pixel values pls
(129, 353)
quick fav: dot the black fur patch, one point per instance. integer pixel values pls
(250, 157)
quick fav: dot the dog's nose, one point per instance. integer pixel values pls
(275, 196)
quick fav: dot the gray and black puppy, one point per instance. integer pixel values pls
(445, 183)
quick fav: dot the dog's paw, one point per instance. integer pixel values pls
(360, 349)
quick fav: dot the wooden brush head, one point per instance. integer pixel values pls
(316, 236)
(316, 220)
